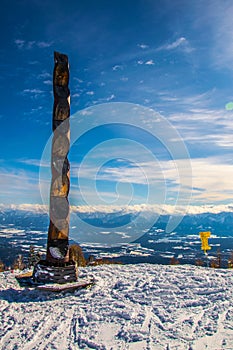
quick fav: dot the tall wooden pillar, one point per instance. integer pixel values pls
(58, 233)
(57, 267)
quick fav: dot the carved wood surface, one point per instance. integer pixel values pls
(58, 233)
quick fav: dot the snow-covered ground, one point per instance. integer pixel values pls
(131, 307)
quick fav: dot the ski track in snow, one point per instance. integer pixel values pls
(130, 307)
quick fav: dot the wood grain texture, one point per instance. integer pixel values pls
(58, 233)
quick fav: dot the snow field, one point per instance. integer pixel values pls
(141, 306)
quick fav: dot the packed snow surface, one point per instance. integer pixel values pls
(130, 307)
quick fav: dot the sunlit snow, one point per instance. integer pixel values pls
(130, 307)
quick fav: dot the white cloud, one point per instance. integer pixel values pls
(76, 95)
(104, 99)
(110, 98)
(28, 45)
(32, 91)
(85, 112)
(34, 162)
(78, 80)
(150, 63)
(203, 125)
(197, 122)
(20, 43)
(124, 79)
(213, 176)
(117, 67)
(39, 208)
(43, 44)
(17, 185)
(175, 44)
(143, 46)
(127, 175)
(47, 82)
(45, 75)
(216, 20)
(157, 176)
(181, 43)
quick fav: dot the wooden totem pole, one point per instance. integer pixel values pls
(56, 267)
(57, 246)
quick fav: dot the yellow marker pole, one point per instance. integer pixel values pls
(204, 241)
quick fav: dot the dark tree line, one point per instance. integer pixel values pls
(21, 262)
(75, 254)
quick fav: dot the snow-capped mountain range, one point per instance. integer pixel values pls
(27, 224)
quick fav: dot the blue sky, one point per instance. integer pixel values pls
(174, 57)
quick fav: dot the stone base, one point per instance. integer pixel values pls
(44, 272)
